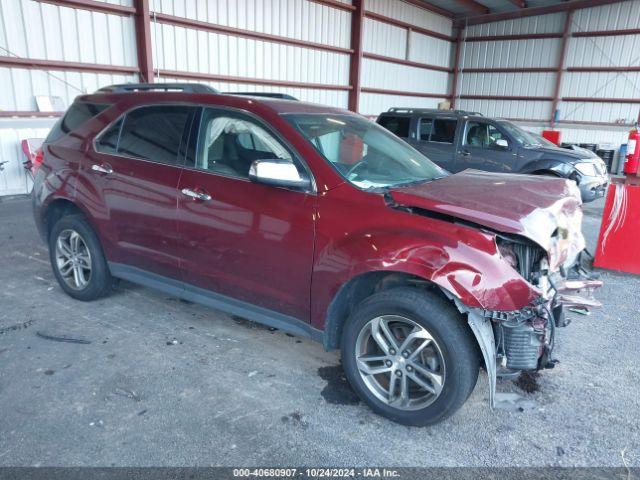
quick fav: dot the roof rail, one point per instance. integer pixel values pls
(432, 110)
(283, 96)
(165, 87)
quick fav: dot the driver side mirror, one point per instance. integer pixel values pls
(279, 173)
(500, 144)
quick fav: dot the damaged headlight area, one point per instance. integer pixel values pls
(524, 256)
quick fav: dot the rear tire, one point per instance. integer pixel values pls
(77, 259)
(422, 379)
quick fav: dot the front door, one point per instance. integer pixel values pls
(136, 168)
(485, 147)
(244, 240)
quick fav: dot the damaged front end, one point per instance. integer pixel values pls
(523, 340)
(539, 269)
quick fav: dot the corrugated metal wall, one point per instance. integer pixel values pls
(603, 51)
(41, 31)
(36, 30)
(391, 41)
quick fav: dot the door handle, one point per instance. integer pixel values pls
(202, 196)
(106, 169)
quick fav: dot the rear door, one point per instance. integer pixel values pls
(241, 239)
(485, 146)
(436, 137)
(135, 170)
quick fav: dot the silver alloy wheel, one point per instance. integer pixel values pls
(73, 259)
(400, 362)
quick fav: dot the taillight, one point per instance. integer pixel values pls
(38, 157)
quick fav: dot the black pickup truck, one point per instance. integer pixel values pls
(457, 140)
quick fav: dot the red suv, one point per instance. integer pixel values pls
(316, 221)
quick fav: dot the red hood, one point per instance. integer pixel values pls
(531, 206)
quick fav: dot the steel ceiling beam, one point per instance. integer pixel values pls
(473, 6)
(529, 12)
(432, 8)
(518, 3)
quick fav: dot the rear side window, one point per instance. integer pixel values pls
(426, 127)
(396, 125)
(78, 113)
(150, 133)
(444, 130)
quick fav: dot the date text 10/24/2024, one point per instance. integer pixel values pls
(316, 472)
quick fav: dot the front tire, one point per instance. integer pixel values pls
(77, 259)
(410, 355)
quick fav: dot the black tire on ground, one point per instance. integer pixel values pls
(445, 324)
(100, 281)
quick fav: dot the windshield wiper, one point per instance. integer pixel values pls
(415, 182)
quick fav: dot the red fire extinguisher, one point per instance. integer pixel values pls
(632, 160)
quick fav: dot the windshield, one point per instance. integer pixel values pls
(522, 137)
(363, 153)
(543, 141)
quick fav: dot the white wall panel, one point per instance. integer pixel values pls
(601, 84)
(179, 48)
(384, 39)
(621, 15)
(411, 14)
(540, 52)
(14, 179)
(511, 84)
(551, 23)
(43, 31)
(508, 108)
(621, 51)
(391, 76)
(299, 19)
(374, 104)
(124, 3)
(426, 49)
(334, 98)
(599, 112)
(20, 86)
(609, 137)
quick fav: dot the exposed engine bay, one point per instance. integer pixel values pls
(524, 340)
(544, 245)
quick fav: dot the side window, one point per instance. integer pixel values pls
(396, 125)
(444, 130)
(476, 134)
(78, 113)
(108, 141)
(228, 145)
(426, 127)
(153, 133)
(484, 135)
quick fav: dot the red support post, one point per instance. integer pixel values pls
(566, 33)
(357, 17)
(456, 68)
(143, 41)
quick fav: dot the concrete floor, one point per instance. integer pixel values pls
(163, 382)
